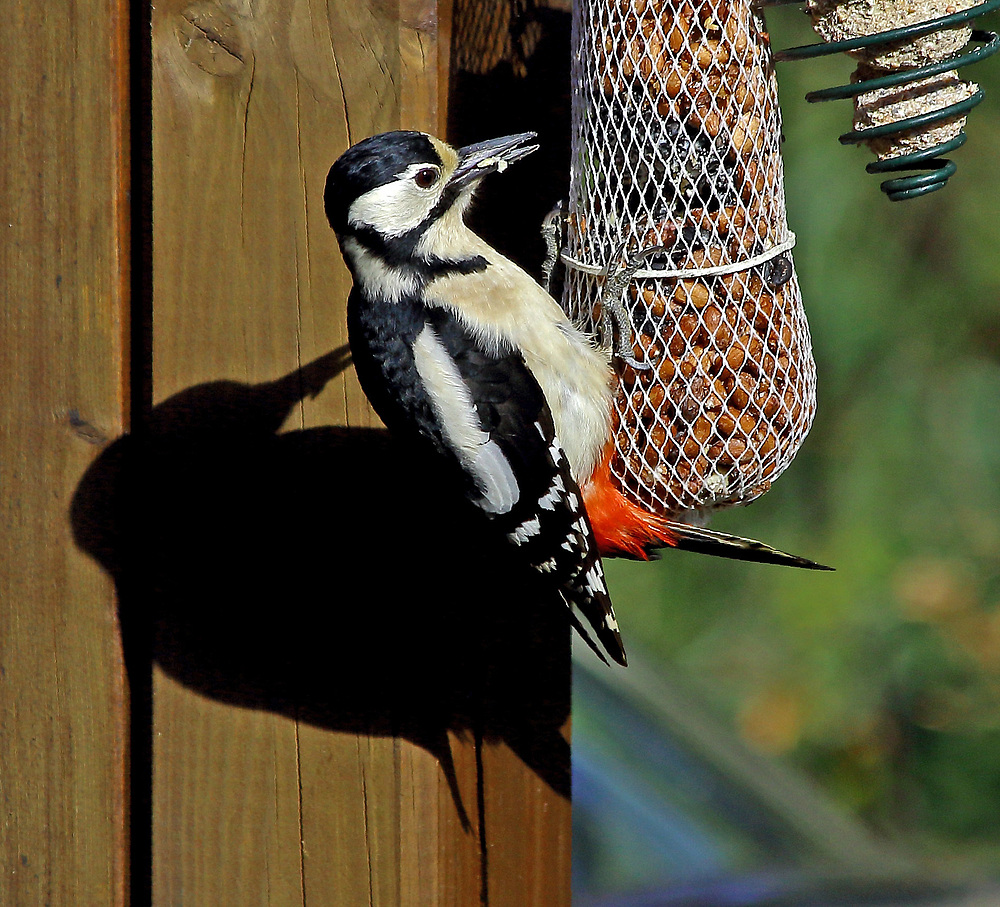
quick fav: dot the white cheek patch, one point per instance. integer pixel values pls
(396, 207)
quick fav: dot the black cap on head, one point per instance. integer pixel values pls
(369, 163)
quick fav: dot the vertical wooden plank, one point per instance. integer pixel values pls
(525, 763)
(424, 52)
(519, 871)
(63, 267)
(294, 761)
(231, 268)
(249, 110)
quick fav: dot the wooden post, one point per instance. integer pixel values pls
(64, 243)
(336, 693)
(337, 717)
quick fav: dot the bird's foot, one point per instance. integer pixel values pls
(617, 330)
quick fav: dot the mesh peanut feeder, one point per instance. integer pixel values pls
(677, 249)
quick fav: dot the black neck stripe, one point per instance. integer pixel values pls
(401, 252)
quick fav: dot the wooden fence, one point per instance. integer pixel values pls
(245, 657)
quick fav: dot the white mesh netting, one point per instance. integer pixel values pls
(676, 133)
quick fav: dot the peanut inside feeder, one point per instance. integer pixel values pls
(676, 132)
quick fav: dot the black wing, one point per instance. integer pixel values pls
(429, 377)
(548, 522)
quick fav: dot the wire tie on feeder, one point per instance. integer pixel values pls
(712, 271)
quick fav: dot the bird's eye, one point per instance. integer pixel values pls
(426, 177)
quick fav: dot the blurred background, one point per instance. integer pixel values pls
(880, 682)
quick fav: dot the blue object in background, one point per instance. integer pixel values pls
(669, 808)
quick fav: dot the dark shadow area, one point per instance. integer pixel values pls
(140, 389)
(509, 209)
(325, 574)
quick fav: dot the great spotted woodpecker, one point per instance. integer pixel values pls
(458, 347)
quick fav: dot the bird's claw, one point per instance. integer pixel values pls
(616, 326)
(552, 233)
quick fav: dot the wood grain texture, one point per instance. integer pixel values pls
(63, 267)
(326, 729)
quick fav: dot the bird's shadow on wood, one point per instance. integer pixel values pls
(324, 573)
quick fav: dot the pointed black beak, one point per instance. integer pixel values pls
(492, 156)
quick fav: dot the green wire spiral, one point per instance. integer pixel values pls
(937, 169)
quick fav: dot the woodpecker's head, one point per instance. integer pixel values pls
(386, 191)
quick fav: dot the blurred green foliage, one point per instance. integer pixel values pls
(881, 679)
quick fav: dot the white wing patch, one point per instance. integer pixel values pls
(528, 529)
(595, 579)
(554, 495)
(456, 411)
